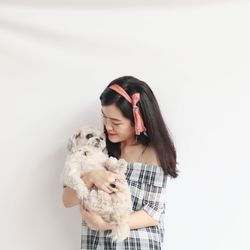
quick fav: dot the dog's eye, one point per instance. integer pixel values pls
(101, 138)
(89, 136)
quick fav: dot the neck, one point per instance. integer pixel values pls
(132, 151)
(129, 143)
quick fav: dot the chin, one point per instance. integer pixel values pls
(114, 140)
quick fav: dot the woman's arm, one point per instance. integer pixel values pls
(140, 219)
(99, 178)
(70, 198)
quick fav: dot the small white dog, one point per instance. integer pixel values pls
(87, 151)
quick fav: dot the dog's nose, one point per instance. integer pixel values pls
(98, 140)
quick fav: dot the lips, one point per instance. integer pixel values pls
(109, 134)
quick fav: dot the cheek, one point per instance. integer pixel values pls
(127, 130)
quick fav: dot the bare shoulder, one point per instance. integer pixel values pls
(150, 156)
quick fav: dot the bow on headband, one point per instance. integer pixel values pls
(139, 125)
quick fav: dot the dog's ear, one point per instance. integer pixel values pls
(72, 142)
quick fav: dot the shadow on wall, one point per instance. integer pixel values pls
(46, 178)
(114, 3)
(58, 38)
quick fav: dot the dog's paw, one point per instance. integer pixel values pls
(122, 165)
(80, 195)
(93, 227)
(82, 192)
(120, 232)
(111, 163)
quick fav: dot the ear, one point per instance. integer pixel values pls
(72, 142)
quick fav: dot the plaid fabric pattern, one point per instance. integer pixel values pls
(148, 188)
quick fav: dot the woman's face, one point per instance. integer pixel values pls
(119, 128)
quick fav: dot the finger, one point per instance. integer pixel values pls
(84, 210)
(106, 188)
(111, 179)
(113, 189)
(85, 215)
(119, 186)
(82, 205)
(119, 177)
(113, 176)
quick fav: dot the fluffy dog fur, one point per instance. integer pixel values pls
(87, 151)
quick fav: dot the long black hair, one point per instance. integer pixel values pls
(157, 134)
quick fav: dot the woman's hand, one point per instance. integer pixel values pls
(93, 220)
(102, 179)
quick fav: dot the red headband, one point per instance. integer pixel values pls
(139, 125)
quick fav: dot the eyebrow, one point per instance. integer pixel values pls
(113, 119)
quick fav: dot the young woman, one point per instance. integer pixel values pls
(136, 132)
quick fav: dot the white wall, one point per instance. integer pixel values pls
(55, 59)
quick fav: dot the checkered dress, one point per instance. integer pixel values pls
(148, 188)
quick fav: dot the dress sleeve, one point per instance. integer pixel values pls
(154, 200)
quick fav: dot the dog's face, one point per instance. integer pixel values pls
(87, 136)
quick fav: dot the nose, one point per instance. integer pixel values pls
(98, 140)
(107, 125)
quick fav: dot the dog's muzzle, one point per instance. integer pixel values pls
(97, 142)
